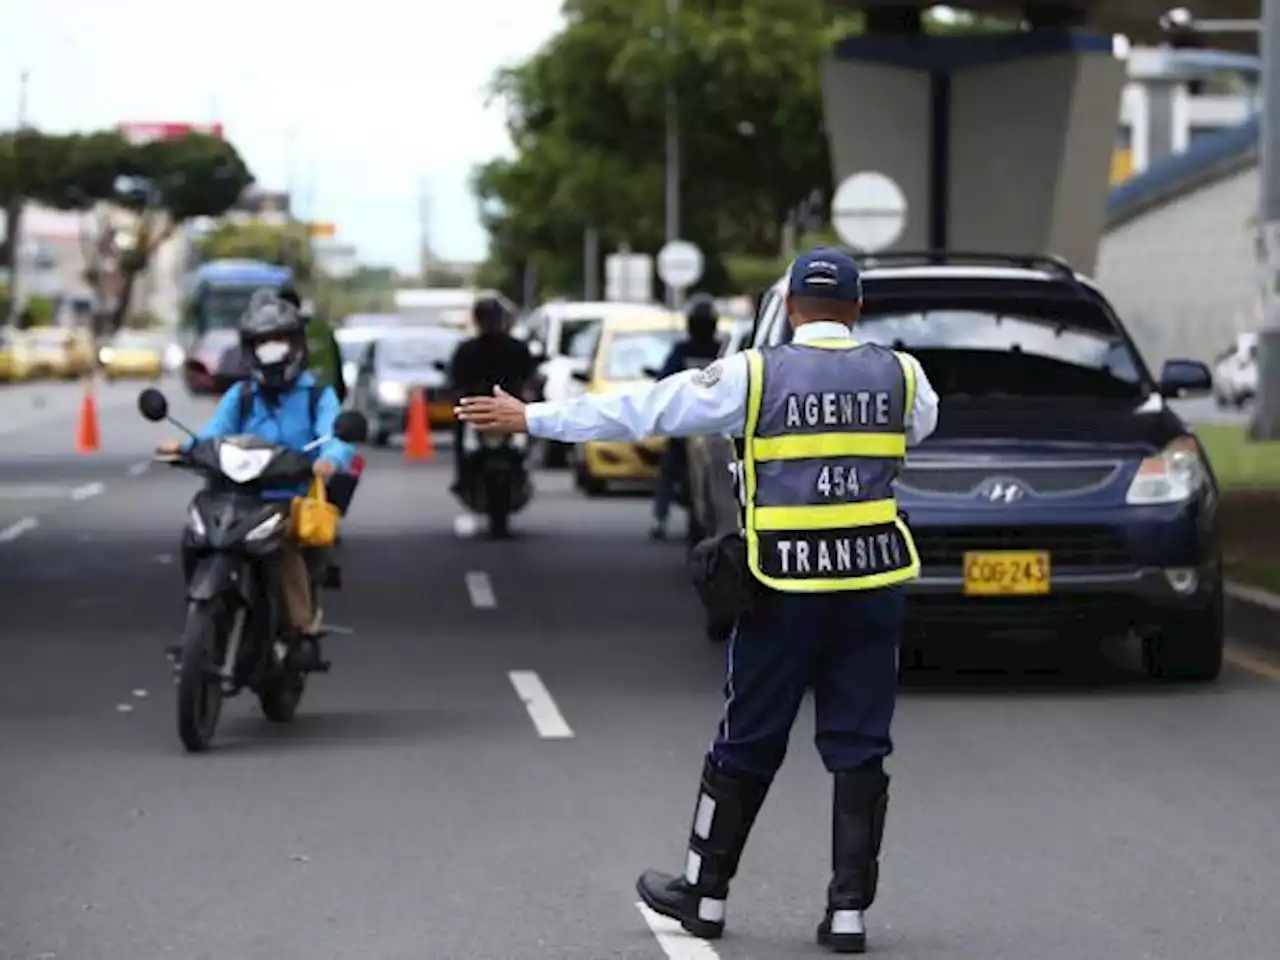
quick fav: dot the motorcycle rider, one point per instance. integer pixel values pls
(282, 399)
(697, 350)
(492, 358)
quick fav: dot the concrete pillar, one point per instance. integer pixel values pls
(998, 141)
(1266, 417)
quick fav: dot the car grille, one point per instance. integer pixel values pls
(1068, 546)
(1044, 481)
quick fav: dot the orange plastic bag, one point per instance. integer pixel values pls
(313, 518)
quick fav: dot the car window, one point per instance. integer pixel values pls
(412, 353)
(133, 341)
(772, 327)
(631, 354)
(582, 346)
(573, 343)
(1026, 333)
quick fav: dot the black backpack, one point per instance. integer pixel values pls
(247, 393)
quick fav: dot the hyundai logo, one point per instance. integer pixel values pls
(1005, 491)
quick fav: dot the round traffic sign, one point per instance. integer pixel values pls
(869, 211)
(680, 264)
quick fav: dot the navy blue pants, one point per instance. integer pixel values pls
(842, 646)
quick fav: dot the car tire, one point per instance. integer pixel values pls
(555, 456)
(1189, 649)
(591, 486)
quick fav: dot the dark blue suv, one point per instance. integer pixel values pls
(1060, 495)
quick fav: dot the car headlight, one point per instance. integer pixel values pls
(1175, 475)
(195, 522)
(392, 393)
(265, 529)
(106, 355)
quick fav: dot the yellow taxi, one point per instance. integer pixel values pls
(631, 350)
(15, 355)
(132, 354)
(54, 353)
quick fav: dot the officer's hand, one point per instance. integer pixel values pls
(324, 469)
(501, 413)
(167, 448)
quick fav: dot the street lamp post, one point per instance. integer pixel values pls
(673, 142)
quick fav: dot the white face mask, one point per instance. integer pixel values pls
(273, 351)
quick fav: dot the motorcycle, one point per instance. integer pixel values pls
(234, 633)
(495, 477)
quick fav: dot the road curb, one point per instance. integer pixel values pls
(1253, 615)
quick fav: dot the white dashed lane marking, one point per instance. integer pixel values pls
(542, 709)
(138, 469)
(674, 941)
(14, 530)
(481, 590)
(87, 491)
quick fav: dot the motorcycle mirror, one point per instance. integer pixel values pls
(351, 427)
(153, 405)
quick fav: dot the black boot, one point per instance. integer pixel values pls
(727, 808)
(857, 827)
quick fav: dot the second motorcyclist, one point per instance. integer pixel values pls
(282, 403)
(492, 358)
(699, 349)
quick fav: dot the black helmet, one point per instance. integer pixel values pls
(702, 317)
(489, 313)
(274, 341)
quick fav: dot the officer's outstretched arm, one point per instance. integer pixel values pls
(691, 403)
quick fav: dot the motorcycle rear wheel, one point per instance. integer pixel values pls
(199, 682)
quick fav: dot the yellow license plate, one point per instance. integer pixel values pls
(1006, 573)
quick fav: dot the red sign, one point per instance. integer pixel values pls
(146, 132)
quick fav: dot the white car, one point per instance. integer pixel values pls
(563, 336)
(1235, 372)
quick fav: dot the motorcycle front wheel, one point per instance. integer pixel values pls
(199, 678)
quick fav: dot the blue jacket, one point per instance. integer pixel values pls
(288, 423)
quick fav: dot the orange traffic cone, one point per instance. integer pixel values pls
(87, 435)
(417, 438)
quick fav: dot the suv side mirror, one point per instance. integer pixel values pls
(1184, 378)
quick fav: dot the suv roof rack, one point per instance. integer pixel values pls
(1048, 262)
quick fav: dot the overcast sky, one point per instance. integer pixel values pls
(379, 94)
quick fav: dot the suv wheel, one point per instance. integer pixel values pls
(1189, 648)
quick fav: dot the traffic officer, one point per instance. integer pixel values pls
(826, 422)
(698, 350)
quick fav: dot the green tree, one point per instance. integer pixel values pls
(587, 116)
(288, 245)
(31, 164)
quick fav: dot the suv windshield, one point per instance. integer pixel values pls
(630, 354)
(982, 351)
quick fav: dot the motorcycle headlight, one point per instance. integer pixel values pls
(1175, 475)
(195, 522)
(392, 393)
(265, 529)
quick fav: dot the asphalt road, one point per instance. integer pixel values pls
(418, 810)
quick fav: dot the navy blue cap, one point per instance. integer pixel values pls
(827, 273)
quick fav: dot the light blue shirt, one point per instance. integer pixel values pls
(686, 405)
(288, 423)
